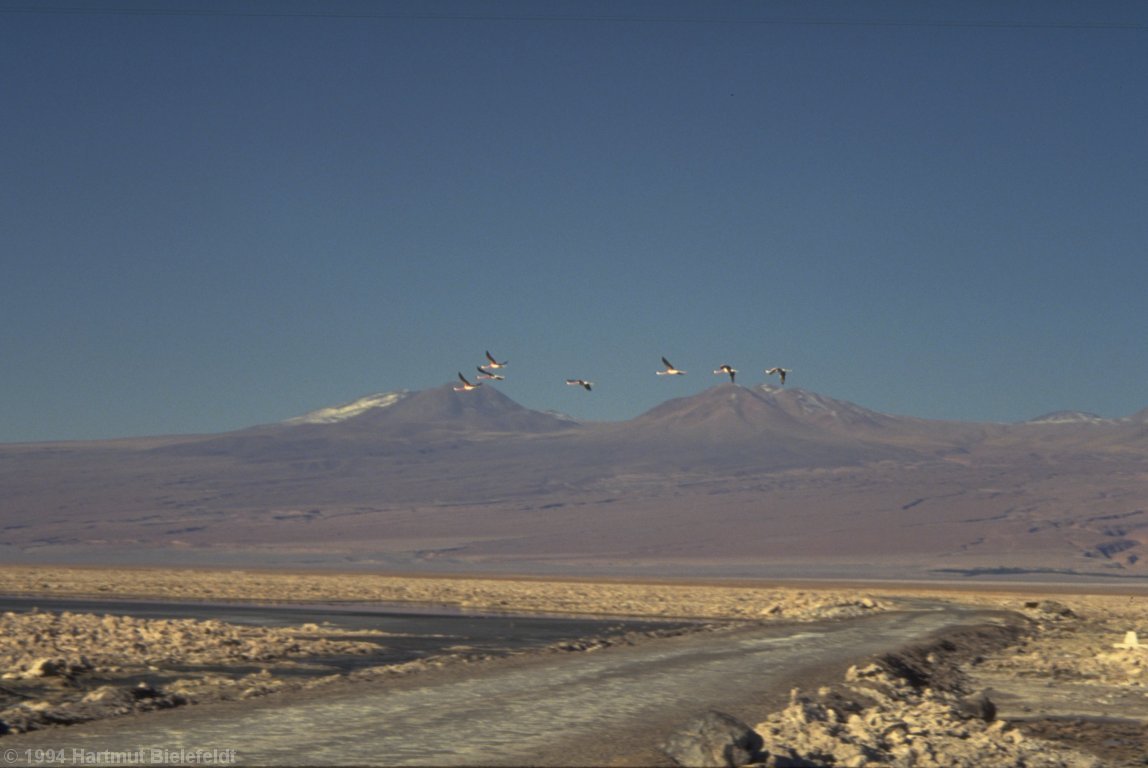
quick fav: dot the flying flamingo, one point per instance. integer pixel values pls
(780, 372)
(466, 385)
(727, 369)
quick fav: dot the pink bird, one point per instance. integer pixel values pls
(466, 385)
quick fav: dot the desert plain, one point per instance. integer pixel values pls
(732, 481)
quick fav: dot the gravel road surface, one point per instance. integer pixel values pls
(610, 707)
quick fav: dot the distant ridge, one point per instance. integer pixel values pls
(725, 412)
(795, 416)
(729, 424)
(732, 476)
(482, 409)
(830, 413)
(383, 422)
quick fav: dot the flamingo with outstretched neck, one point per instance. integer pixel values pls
(466, 385)
(727, 369)
(780, 372)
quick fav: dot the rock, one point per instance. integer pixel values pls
(111, 698)
(855, 673)
(47, 668)
(714, 740)
(145, 691)
(1131, 641)
(1052, 607)
(977, 705)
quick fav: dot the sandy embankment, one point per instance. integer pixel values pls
(512, 595)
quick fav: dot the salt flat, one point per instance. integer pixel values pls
(1065, 642)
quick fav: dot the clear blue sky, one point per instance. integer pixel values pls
(221, 214)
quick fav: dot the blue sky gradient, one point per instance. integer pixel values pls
(221, 214)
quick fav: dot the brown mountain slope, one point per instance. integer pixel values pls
(730, 480)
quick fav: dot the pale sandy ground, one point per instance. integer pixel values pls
(513, 595)
(1065, 669)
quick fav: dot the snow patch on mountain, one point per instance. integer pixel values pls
(1069, 417)
(803, 403)
(337, 413)
(562, 416)
(810, 403)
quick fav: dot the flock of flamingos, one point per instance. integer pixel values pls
(488, 371)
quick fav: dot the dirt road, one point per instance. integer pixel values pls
(613, 706)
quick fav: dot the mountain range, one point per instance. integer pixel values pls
(730, 481)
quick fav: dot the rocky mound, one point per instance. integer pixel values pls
(1078, 677)
(42, 644)
(913, 708)
(65, 668)
(1071, 646)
